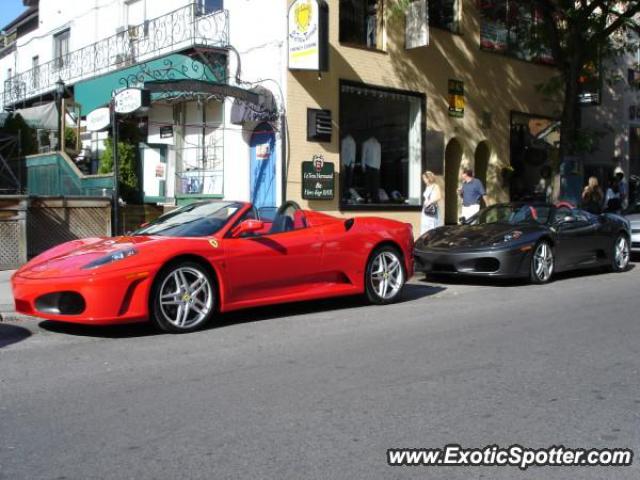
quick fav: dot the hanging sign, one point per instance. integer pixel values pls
(308, 32)
(99, 119)
(417, 24)
(456, 98)
(318, 179)
(131, 99)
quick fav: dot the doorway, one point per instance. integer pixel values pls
(481, 162)
(452, 162)
(263, 166)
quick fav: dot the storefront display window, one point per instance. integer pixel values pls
(360, 22)
(381, 155)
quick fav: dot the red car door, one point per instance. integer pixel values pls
(273, 265)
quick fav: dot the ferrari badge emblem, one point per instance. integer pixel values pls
(214, 243)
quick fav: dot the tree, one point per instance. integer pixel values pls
(582, 36)
(126, 166)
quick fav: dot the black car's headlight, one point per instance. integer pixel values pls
(110, 258)
(509, 237)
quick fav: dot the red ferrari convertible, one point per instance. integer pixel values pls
(209, 257)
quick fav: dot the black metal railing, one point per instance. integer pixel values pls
(183, 28)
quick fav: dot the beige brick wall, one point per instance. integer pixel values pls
(493, 83)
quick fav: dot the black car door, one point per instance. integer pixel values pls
(578, 239)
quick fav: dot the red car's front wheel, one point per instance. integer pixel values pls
(183, 298)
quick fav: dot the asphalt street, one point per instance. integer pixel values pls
(321, 390)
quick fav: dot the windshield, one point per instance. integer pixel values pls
(201, 219)
(513, 214)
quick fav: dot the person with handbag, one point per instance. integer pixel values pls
(430, 209)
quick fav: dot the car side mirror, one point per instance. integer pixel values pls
(248, 226)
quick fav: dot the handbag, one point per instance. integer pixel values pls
(431, 210)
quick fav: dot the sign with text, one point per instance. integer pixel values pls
(456, 98)
(308, 32)
(131, 99)
(318, 179)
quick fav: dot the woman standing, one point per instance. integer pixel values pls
(592, 197)
(430, 208)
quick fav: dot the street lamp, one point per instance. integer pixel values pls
(60, 89)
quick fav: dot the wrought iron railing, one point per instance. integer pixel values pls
(183, 28)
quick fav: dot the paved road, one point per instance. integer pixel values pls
(321, 390)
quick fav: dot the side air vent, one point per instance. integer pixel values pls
(348, 224)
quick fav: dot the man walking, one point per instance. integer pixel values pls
(472, 193)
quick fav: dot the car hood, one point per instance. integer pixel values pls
(470, 236)
(69, 258)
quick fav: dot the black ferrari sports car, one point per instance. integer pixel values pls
(526, 240)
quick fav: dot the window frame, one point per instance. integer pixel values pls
(380, 30)
(60, 59)
(343, 206)
(457, 15)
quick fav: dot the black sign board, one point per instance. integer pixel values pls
(318, 179)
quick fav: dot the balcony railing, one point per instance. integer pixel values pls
(186, 27)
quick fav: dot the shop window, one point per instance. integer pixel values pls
(509, 27)
(444, 14)
(381, 151)
(360, 22)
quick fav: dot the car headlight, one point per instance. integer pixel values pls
(110, 258)
(510, 237)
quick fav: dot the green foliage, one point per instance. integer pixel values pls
(15, 125)
(70, 138)
(127, 167)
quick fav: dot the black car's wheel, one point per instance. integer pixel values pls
(542, 263)
(183, 298)
(621, 254)
(385, 275)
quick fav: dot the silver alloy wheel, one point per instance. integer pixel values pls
(387, 275)
(622, 253)
(186, 297)
(543, 262)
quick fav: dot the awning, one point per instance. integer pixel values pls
(97, 92)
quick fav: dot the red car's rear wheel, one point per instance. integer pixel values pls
(385, 275)
(183, 298)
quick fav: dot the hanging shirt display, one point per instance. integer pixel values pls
(348, 151)
(371, 154)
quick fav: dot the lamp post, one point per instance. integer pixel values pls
(116, 169)
(60, 88)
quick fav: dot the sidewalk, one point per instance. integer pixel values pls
(6, 299)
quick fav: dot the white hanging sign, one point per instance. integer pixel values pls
(130, 100)
(99, 119)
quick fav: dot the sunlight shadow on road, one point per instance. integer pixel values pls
(10, 334)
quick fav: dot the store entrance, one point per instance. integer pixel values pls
(534, 144)
(453, 162)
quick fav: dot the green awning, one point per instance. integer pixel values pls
(96, 92)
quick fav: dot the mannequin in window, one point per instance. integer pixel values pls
(371, 24)
(348, 157)
(371, 160)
